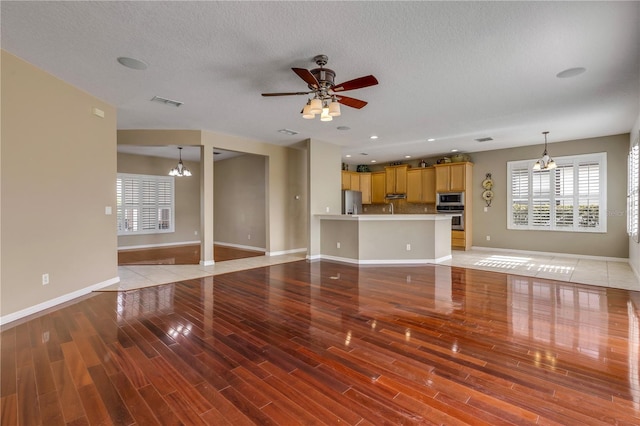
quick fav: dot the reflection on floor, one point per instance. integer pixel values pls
(181, 255)
(615, 274)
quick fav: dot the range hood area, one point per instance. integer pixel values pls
(395, 196)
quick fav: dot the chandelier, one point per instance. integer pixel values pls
(546, 162)
(180, 169)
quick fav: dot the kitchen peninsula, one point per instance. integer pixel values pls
(386, 239)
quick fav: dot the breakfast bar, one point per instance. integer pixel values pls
(386, 239)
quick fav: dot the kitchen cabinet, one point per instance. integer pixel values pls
(421, 185)
(346, 180)
(365, 187)
(378, 187)
(396, 179)
(355, 181)
(458, 239)
(453, 177)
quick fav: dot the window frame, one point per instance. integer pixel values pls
(553, 198)
(142, 203)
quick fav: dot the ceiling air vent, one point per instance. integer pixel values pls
(487, 139)
(288, 132)
(166, 101)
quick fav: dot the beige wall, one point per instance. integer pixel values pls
(614, 243)
(239, 201)
(58, 174)
(187, 200)
(284, 180)
(324, 187)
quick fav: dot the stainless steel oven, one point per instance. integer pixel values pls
(452, 203)
(457, 221)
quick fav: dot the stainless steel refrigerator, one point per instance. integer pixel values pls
(351, 202)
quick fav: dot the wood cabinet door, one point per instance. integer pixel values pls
(390, 180)
(378, 187)
(428, 185)
(365, 187)
(346, 180)
(457, 177)
(355, 181)
(401, 179)
(442, 178)
(414, 186)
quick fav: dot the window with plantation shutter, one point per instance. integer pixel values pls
(571, 197)
(633, 186)
(144, 204)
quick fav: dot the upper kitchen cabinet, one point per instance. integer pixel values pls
(453, 177)
(378, 187)
(356, 181)
(396, 179)
(421, 185)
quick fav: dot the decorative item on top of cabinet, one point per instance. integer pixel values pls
(487, 186)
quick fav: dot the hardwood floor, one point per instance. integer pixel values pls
(328, 343)
(180, 255)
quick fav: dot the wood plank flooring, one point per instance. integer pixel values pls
(328, 343)
(180, 255)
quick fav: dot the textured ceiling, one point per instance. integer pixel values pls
(453, 71)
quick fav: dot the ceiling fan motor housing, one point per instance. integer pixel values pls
(325, 77)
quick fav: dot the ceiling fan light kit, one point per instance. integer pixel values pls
(326, 100)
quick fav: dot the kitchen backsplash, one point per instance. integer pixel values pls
(400, 207)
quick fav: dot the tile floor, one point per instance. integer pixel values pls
(615, 274)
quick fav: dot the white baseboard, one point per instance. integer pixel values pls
(239, 246)
(144, 246)
(548, 253)
(280, 253)
(56, 301)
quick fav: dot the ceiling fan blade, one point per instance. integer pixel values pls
(307, 77)
(286, 93)
(351, 102)
(357, 83)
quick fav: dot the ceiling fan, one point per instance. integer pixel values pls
(327, 95)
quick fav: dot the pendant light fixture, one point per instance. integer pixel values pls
(546, 162)
(180, 169)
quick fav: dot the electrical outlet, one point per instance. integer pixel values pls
(195, 232)
(384, 210)
(426, 209)
(248, 236)
(365, 209)
(488, 237)
(328, 209)
(338, 244)
(408, 247)
(45, 279)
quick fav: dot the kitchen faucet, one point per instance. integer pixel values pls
(391, 207)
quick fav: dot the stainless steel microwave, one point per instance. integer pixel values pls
(450, 199)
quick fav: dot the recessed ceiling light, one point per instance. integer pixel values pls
(373, 161)
(454, 150)
(407, 156)
(430, 140)
(571, 72)
(132, 63)
(373, 137)
(343, 128)
(348, 155)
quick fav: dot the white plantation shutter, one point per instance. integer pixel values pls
(633, 186)
(144, 204)
(571, 197)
